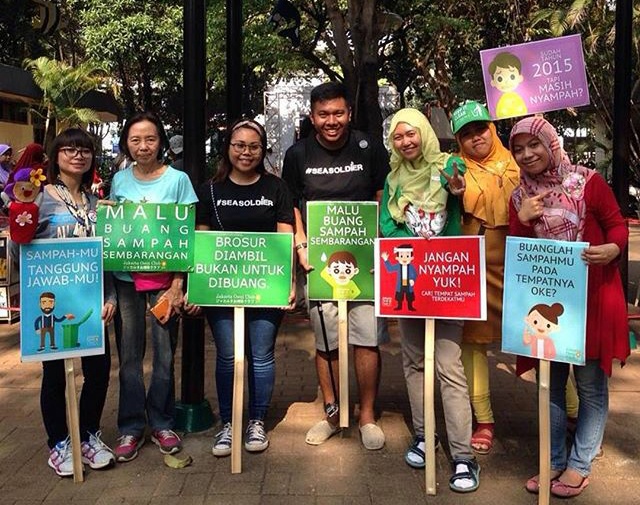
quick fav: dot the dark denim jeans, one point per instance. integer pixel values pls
(157, 406)
(261, 327)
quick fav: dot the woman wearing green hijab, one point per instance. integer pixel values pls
(420, 199)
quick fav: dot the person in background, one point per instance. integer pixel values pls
(415, 196)
(176, 152)
(307, 171)
(559, 200)
(6, 152)
(147, 180)
(491, 176)
(68, 209)
(242, 177)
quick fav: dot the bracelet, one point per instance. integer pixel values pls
(301, 245)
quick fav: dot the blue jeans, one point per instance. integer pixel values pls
(158, 404)
(593, 394)
(261, 327)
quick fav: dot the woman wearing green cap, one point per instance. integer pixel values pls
(418, 201)
(492, 174)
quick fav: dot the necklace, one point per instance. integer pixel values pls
(80, 211)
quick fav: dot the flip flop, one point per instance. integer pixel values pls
(533, 484)
(562, 490)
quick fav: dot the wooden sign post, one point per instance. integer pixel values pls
(238, 389)
(73, 420)
(343, 354)
(429, 413)
(544, 421)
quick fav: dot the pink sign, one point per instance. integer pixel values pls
(440, 278)
(535, 77)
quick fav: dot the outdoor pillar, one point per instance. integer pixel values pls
(234, 60)
(193, 412)
(622, 115)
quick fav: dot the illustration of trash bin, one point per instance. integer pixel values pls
(70, 331)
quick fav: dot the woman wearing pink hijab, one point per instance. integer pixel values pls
(562, 201)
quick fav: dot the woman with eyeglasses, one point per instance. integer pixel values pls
(241, 178)
(147, 180)
(68, 209)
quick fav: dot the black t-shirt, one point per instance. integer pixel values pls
(355, 172)
(257, 207)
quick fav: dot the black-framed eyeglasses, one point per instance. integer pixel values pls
(72, 152)
(239, 147)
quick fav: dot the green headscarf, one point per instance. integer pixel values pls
(416, 182)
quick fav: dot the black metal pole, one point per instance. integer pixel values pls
(234, 60)
(194, 412)
(622, 114)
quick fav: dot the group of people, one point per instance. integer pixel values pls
(485, 189)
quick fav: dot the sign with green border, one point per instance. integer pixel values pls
(340, 237)
(147, 237)
(241, 269)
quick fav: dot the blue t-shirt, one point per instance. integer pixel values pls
(172, 186)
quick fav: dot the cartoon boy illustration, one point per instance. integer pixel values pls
(506, 75)
(45, 324)
(541, 321)
(341, 268)
(406, 274)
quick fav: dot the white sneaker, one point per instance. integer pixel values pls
(256, 437)
(96, 453)
(222, 441)
(61, 459)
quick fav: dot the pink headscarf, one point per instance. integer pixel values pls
(564, 207)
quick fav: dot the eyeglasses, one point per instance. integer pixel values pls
(239, 147)
(72, 152)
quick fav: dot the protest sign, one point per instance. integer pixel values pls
(535, 77)
(441, 278)
(241, 269)
(545, 299)
(340, 239)
(147, 237)
(61, 299)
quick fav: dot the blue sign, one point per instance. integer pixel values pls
(544, 312)
(61, 299)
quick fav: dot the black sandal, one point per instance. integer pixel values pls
(472, 473)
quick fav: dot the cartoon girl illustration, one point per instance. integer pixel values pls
(541, 321)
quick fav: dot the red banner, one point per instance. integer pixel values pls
(440, 278)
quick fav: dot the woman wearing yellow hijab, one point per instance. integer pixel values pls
(492, 174)
(416, 202)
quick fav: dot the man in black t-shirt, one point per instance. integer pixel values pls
(336, 163)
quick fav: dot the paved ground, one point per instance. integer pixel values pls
(291, 472)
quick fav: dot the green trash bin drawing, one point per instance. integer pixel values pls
(70, 331)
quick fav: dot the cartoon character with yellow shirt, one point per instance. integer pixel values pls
(506, 76)
(341, 268)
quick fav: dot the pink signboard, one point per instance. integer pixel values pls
(440, 278)
(535, 77)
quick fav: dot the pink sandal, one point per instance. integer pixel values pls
(562, 490)
(482, 438)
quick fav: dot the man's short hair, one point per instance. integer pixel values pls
(329, 91)
(47, 294)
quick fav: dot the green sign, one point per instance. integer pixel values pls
(241, 269)
(340, 238)
(147, 237)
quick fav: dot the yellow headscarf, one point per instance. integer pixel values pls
(416, 182)
(490, 182)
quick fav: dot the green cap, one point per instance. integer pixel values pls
(468, 112)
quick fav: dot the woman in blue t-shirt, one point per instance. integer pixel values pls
(147, 180)
(244, 197)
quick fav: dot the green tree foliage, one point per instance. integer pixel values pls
(141, 44)
(63, 86)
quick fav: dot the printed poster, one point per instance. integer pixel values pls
(147, 237)
(340, 238)
(61, 299)
(544, 311)
(241, 269)
(440, 278)
(538, 76)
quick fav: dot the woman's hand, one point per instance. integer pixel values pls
(532, 208)
(303, 259)
(455, 182)
(600, 254)
(108, 312)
